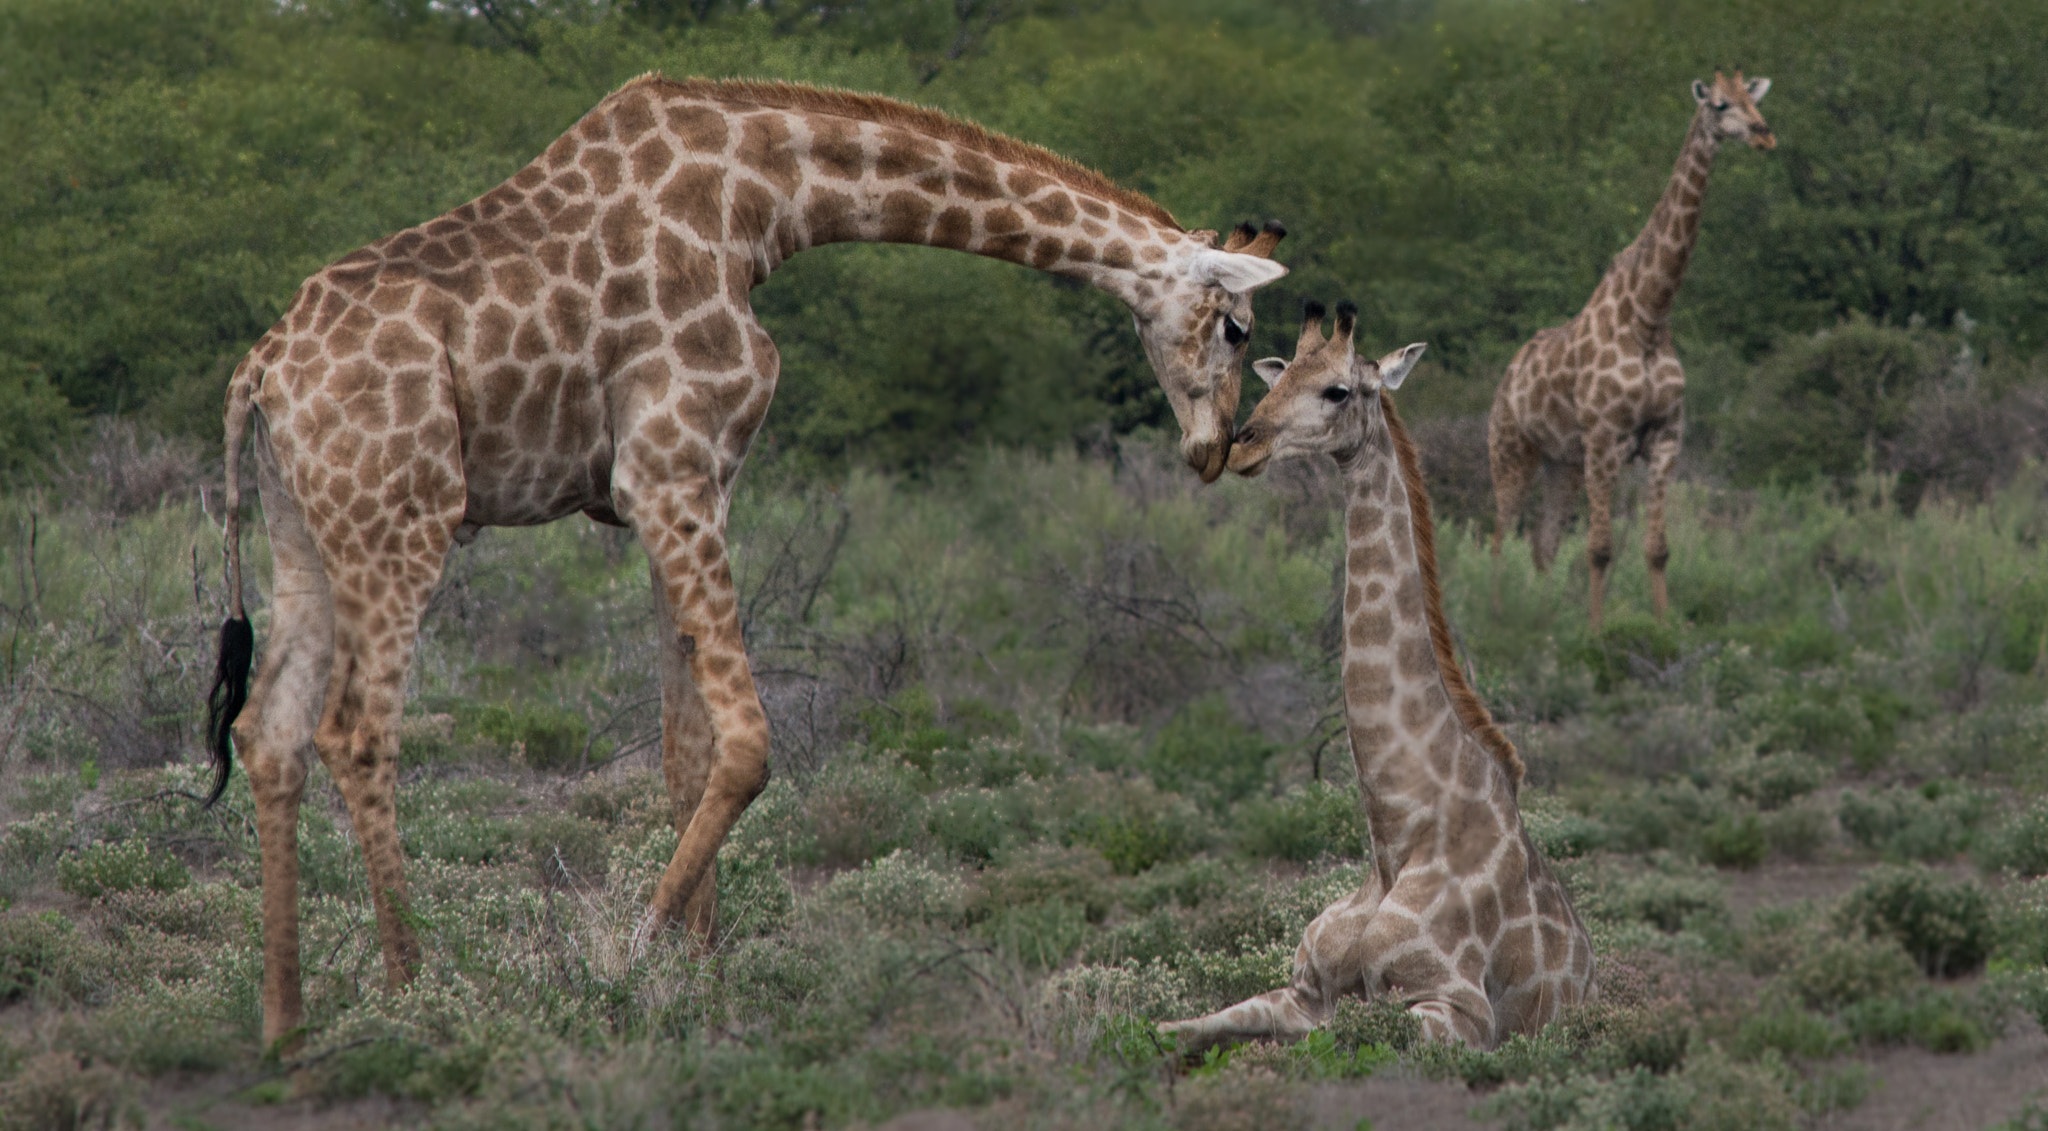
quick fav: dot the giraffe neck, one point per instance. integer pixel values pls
(1652, 268)
(1407, 739)
(801, 168)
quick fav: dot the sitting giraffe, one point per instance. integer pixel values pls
(580, 338)
(1581, 399)
(1459, 917)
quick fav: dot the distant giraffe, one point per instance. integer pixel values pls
(580, 339)
(1459, 918)
(1581, 399)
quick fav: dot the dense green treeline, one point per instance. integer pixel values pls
(1463, 168)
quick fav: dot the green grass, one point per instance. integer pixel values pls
(1054, 759)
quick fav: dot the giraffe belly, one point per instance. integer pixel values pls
(530, 488)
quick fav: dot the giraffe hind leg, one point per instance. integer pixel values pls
(1664, 447)
(1562, 483)
(274, 737)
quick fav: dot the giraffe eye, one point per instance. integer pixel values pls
(1234, 331)
(1720, 106)
(1336, 394)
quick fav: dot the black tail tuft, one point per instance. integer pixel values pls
(230, 692)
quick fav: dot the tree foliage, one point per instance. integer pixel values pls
(1463, 168)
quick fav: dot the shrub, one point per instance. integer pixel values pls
(1775, 780)
(2023, 924)
(1630, 646)
(860, 808)
(1305, 824)
(900, 890)
(1734, 842)
(1788, 1031)
(550, 738)
(1132, 824)
(1934, 822)
(1797, 832)
(1817, 404)
(1671, 896)
(1946, 927)
(1204, 753)
(36, 950)
(30, 842)
(970, 824)
(120, 866)
(1383, 1022)
(1937, 1019)
(2020, 845)
(1834, 971)
(1561, 832)
(754, 898)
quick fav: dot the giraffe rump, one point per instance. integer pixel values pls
(1471, 709)
(931, 123)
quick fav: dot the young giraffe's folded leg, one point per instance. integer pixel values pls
(1327, 965)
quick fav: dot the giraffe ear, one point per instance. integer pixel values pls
(1269, 369)
(1238, 274)
(1395, 366)
(1701, 92)
(1758, 88)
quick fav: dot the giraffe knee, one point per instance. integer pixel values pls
(1600, 556)
(1659, 557)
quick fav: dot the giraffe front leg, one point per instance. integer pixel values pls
(688, 552)
(1562, 483)
(688, 750)
(1664, 449)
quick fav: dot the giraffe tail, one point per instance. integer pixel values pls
(237, 640)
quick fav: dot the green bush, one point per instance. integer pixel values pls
(1205, 754)
(1833, 971)
(1776, 780)
(1670, 896)
(1797, 832)
(860, 808)
(1937, 1019)
(1945, 926)
(36, 950)
(1734, 841)
(1306, 823)
(2020, 844)
(1816, 405)
(1560, 831)
(120, 866)
(1132, 824)
(549, 738)
(1383, 1022)
(1790, 1032)
(900, 890)
(1936, 822)
(1629, 646)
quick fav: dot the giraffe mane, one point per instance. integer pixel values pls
(1471, 709)
(931, 123)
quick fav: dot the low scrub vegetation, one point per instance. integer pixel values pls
(1057, 755)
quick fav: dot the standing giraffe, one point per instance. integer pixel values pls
(580, 339)
(1581, 399)
(1459, 917)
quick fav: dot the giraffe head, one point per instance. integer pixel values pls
(1326, 400)
(1195, 322)
(1730, 107)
